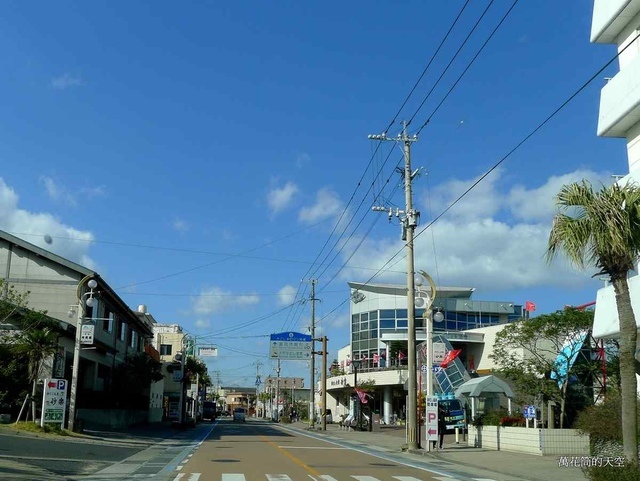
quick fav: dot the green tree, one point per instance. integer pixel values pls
(11, 301)
(36, 343)
(132, 379)
(526, 353)
(602, 229)
(32, 342)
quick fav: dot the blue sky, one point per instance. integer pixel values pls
(200, 156)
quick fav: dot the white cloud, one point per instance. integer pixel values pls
(214, 300)
(280, 198)
(67, 242)
(327, 204)
(65, 81)
(287, 295)
(56, 191)
(203, 323)
(494, 239)
(520, 198)
(181, 225)
(97, 191)
(302, 159)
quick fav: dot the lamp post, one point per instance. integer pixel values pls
(426, 303)
(356, 363)
(92, 284)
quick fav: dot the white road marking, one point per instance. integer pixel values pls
(194, 477)
(326, 477)
(365, 478)
(233, 477)
(313, 447)
(278, 477)
(408, 478)
(178, 477)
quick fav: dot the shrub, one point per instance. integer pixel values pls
(627, 472)
(512, 421)
(603, 422)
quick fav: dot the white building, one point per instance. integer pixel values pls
(617, 22)
(378, 344)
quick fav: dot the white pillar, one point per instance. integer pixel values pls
(509, 405)
(387, 404)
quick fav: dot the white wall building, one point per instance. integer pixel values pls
(617, 22)
(379, 332)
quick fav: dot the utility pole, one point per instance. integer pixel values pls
(278, 392)
(312, 387)
(323, 396)
(258, 364)
(410, 218)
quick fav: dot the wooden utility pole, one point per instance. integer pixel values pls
(323, 396)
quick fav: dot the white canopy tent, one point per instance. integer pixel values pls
(480, 387)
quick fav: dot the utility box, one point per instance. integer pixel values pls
(375, 426)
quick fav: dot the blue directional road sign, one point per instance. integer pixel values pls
(529, 412)
(290, 346)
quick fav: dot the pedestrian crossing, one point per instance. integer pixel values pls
(284, 477)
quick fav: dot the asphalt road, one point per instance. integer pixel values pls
(256, 450)
(60, 456)
(261, 451)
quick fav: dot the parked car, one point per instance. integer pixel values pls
(240, 414)
(209, 410)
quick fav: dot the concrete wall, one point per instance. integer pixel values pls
(111, 418)
(540, 442)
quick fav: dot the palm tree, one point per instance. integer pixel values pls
(37, 344)
(603, 229)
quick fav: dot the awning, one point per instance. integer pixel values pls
(478, 386)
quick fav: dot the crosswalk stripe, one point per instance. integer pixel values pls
(323, 477)
(233, 477)
(326, 477)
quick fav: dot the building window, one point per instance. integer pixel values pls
(387, 314)
(107, 323)
(165, 349)
(132, 338)
(122, 330)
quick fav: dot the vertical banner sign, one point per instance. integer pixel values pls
(432, 419)
(54, 401)
(57, 371)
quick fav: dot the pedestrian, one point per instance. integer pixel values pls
(442, 423)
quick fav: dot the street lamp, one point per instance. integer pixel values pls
(426, 302)
(356, 363)
(92, 284)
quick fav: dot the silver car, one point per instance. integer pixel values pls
(239, 414)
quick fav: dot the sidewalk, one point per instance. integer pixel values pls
(525, 466)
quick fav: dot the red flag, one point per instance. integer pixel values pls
(364, 357)
(529, 306)
(401, 355)
(348, 362)
(362, 395)
(449, 357)
(376, 358)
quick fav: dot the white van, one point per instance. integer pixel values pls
(239, 414)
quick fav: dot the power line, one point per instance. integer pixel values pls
(493, 32)
(451, 61)
(444, 39)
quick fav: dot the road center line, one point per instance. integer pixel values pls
(309, 469)
(312, 447)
